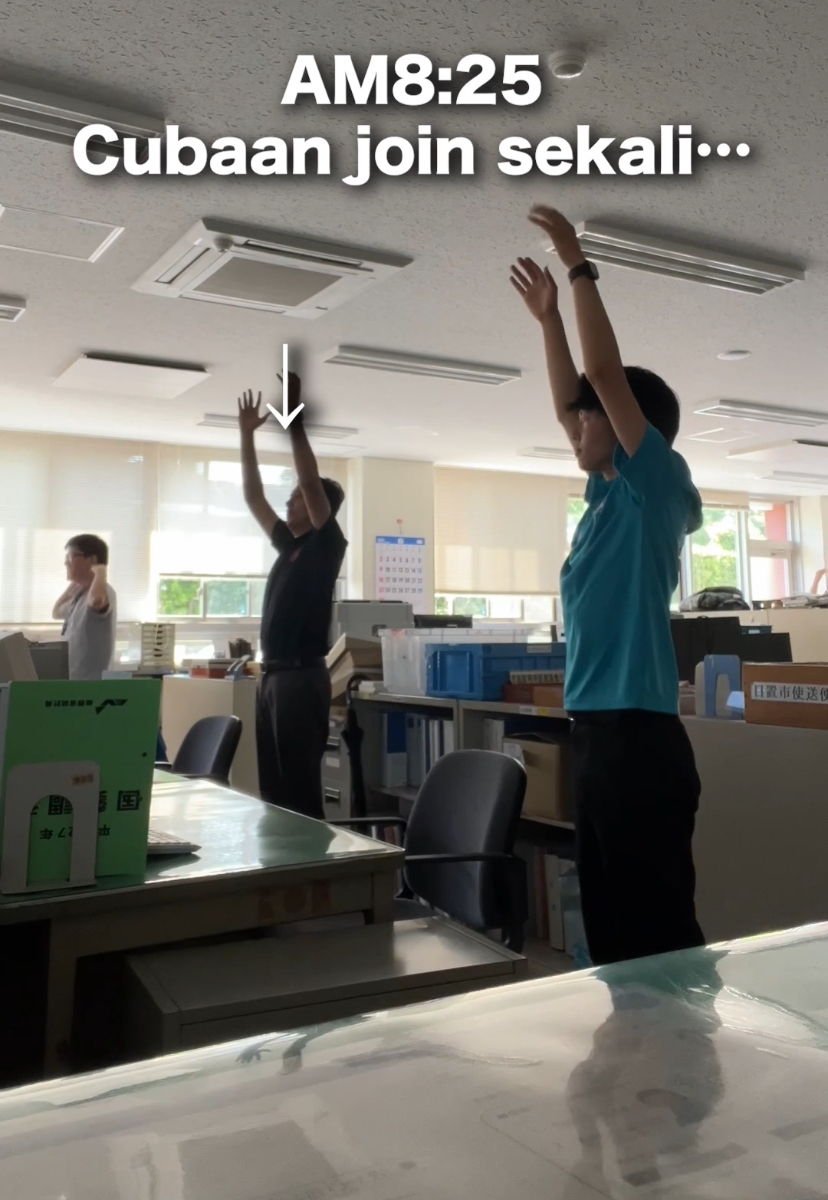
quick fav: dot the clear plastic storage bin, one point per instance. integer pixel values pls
(405, 651)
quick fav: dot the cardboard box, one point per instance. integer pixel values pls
(548, 793)
(791, 694)
(538, 695)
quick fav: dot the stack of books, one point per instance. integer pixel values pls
(352, 656)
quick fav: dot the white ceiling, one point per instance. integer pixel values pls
(736, 69)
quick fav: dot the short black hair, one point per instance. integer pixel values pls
(90, 546)
(335, 495)
(656, 399)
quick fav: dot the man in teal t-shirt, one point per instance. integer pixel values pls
(636, 785)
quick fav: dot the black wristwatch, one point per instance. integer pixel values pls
(585, 268)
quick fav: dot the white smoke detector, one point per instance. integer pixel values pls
(567, 64)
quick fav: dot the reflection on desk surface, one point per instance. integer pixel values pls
(695, 1075)
(237, 834)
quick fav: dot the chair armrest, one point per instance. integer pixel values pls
(381, 821)
(458, 858)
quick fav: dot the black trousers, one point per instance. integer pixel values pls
(636, 796)
(292, 715)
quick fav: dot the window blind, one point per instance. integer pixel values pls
(52, 488)
(498, 532)
(162, 510)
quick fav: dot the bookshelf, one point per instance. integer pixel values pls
(469, 717)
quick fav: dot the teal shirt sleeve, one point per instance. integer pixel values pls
(659, 477)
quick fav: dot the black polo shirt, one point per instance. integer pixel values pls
(298, 600)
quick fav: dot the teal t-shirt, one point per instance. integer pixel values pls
(619, 579)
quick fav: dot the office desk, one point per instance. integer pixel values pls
(700, 1074)
(258, 866)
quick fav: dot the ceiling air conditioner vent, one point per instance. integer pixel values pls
(273, 272)
(11, 308)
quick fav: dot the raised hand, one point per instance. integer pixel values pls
(294, 393)
(250, 418)
(536, 287)
(561, 232)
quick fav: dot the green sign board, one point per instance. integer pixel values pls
(113, 723)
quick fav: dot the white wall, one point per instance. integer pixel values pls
(381, 493)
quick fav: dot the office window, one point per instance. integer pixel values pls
(771, 550)
(52, 488)
(575, 509)
(714, 557)
(750, 548)
(210, 598)
(521, 610)
(210, 558)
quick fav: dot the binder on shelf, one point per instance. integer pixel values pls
(395, 757)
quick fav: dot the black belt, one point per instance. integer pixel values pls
(292, 664)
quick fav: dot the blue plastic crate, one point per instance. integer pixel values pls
(480, 672)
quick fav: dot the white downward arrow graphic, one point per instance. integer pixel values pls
(285, 416)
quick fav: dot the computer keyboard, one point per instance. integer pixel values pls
(160, 842)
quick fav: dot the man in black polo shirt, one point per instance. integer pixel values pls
(295, 692)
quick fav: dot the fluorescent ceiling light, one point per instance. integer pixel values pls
(329, 433)
(680, 260)
(554, 452)
(12, 308)
(718, 437)
(420, 364)
(28, 112)
(747, 411)
(797, 477)
(733, 355)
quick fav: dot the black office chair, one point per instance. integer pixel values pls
(459, 843)
(208, 749)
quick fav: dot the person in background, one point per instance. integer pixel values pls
(87, 608)
(294, 699)
(636, 785)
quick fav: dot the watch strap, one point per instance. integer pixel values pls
(587, 269)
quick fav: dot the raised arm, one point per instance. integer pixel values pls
(602, 359)
(62, 604)
(304, 460)
(540, 295)
(98, 595)
(250, 418)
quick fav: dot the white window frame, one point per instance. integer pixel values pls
(748, 548)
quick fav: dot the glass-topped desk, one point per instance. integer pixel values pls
(257, 866)
(697, 1075)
